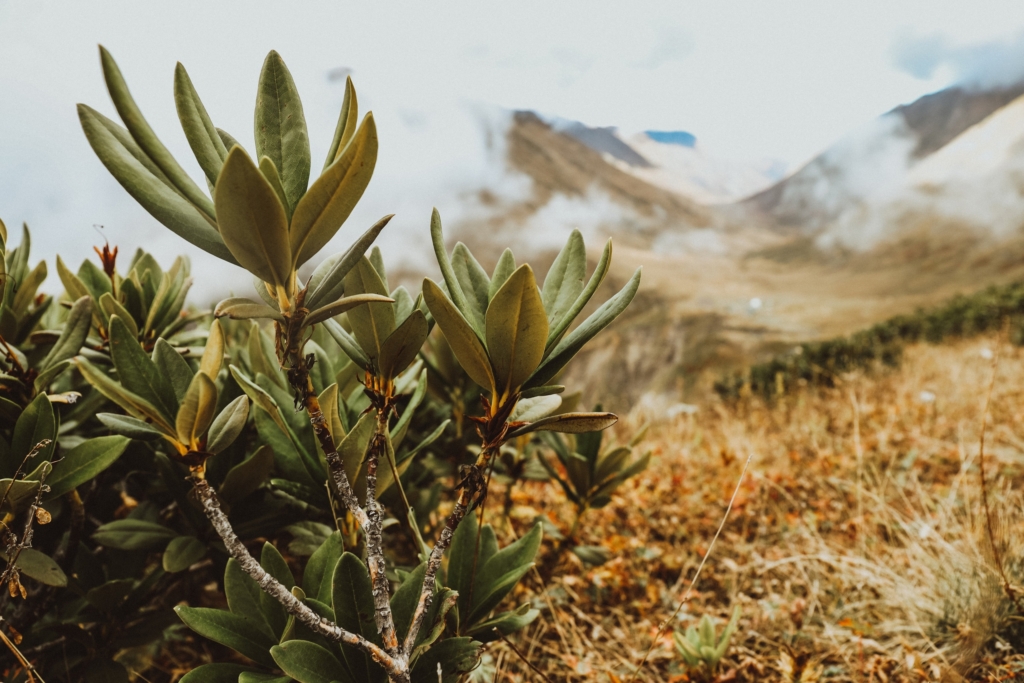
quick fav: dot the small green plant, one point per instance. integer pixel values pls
(590, 475)
(701, 647)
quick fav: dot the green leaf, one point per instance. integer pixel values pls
(252, 220)
(352, 598)
(373, 323)
(343, 305)
(17, 493)
(347, 343)
(346, 127)
(215, 673)
(41, 567)
(129, 426)
(517, 330)
(377, 261)
(240, 308)
(228, 425)
(331, 198)
(352, 448)
(594, 555)
(76, 329)
(566, 349)
(564, 282)
(465, 343)
(82, 463)
(199, 130)
(327, 283)
(472, 278)
(45, 378)
(275, 565)
(502, 271)
(232, 630)
(259, 677)
(405, 599)
(505, 623)
(242, 593)
(183, 552)
(309, 663)
(500, 573)
(457, 656)
(27, 288)
(281, 127)
(146, 138)
(196, 410)
(269, 171)
(133, 403)
(137, 372)
(133, 534)
(403, 345)
(559, 328)
(319, 573)
(463, 560)
(136, 173)
(546, 390)
(171, 365)
(458, 297)
(568, 423)
(112, 307)
(36, 423)
(536, 408)
(248, 475)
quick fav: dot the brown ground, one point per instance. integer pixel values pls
(857, 548)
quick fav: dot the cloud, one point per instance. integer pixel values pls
(672, 44)
(981, 65)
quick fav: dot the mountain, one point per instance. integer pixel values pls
(865, 189)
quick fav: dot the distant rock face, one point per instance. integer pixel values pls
(938, 118)
(606, 141)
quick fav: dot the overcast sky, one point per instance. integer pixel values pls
(750, 79)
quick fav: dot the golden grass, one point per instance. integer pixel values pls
(857, 550)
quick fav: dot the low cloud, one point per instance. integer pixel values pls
(981, 65)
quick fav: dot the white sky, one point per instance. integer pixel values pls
(751, 79)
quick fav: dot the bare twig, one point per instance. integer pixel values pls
(521, 656)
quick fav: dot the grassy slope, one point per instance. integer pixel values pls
(857, 548)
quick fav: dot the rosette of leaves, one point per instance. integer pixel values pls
(343, 399)
(164, 398)
(21, 307)
(264, 214)
(30, 364)
(483, 576)
(513, 337)
(336, 585)
(701, 647)
(30, 460)
(149, 300)
(589, 475)
(386, 337)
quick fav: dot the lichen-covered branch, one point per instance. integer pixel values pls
(471, 487)
(396, 667)
(374, 538)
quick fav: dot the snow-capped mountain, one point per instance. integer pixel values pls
(676, 161)
(680, 163)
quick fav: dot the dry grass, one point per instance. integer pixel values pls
(858, 548)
